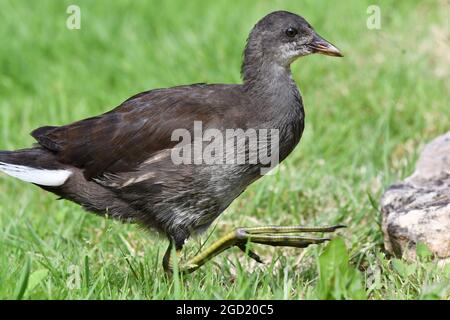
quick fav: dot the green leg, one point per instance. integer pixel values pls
(270, 235)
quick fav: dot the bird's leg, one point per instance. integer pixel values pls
(270, 235)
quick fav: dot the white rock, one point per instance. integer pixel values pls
(418, 209)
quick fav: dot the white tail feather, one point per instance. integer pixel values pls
(43, 177)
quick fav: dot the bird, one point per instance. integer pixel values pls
(125, 163)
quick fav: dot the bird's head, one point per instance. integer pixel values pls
(282, 37)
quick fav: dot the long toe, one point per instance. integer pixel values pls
(288, 229)
(286, 240)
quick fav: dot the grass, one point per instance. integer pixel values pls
(367, 115)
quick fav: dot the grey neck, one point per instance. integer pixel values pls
(275, 94)
(269, 82)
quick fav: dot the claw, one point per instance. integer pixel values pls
(322, 240)
(250, 253)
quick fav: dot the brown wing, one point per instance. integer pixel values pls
(119, 140)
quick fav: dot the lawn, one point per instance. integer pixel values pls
(368, 114)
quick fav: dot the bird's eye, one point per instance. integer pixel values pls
(291, 32)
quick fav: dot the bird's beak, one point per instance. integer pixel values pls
(320, 45)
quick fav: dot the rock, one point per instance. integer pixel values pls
(418, 208)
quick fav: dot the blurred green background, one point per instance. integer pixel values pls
(368, 114)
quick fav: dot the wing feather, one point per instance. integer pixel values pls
(121, 139)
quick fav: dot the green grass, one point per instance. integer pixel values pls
(367, 115)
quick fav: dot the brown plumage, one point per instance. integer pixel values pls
(119, 163)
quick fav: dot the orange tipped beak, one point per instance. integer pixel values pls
(322, 46)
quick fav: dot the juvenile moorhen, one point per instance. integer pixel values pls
(121, 163)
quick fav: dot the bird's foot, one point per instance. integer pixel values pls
(286, 236)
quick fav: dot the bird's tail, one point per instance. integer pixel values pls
(34, 165)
